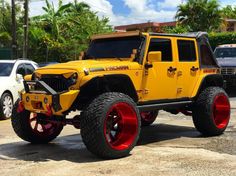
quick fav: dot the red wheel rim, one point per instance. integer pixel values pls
(121, 126)
(148, 116)
(221, 111)
(43, 129)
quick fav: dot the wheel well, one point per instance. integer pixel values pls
(211, 81)
(107, 83)
(8, 91)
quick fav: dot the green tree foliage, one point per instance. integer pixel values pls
(60, 34)
(229, 12)
(200, 15)
(179, 29)
(64, 32)
(216, 39)
(5, 23)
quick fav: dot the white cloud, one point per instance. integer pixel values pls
(170, 4)
(140, 10)
(144, 10)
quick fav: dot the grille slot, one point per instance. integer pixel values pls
(56, 82)
(227, 71)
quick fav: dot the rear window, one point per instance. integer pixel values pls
(207, 57)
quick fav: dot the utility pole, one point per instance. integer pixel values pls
(26, 28)
(14, 40)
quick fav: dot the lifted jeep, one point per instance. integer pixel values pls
(119, 85)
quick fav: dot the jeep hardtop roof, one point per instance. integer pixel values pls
(137, 33)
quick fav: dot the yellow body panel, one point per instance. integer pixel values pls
(186, 78)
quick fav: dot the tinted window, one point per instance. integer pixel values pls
(186, 50)
(113, 47)
(206, 56)
(163, 45)
(21, 70)
(5, 69)
(29, 69)
(225, 52)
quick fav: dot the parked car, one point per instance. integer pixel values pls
(226, 57)
(11, 80)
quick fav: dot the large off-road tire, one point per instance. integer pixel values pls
(211, 111)
(29, 126)
(110, 125)
(147, 118)
(6, 106)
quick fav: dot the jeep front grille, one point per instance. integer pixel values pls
(56, 82)
(228, 71)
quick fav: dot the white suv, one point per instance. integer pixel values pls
(11, 81)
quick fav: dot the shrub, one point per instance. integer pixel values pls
(216, 39)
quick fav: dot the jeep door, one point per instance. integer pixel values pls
(187, 66)
(159, 81)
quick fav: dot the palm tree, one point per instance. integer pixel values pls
(200, 15)
(53, 18)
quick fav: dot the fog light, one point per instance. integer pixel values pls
(27, 99)
(45, 100)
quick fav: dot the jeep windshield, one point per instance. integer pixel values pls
(5, 69)
(225, 53)
(120, 48)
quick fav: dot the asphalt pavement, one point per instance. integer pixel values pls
(170, 147)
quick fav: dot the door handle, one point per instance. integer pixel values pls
(172, 69)
(194, 69)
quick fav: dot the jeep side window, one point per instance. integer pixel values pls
(206, 56)
(163, 45)
(186, 50)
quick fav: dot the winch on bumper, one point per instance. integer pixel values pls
(41, 98)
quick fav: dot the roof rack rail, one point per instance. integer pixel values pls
(188, 35)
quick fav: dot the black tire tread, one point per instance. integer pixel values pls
(22, 128)
(92, 125)
(202, 112)
(148, 123)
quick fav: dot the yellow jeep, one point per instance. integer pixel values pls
(118, 85)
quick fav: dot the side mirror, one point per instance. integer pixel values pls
(19, 77)
(154, 56)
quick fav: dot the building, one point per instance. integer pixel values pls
(230, 25)
(146, 27)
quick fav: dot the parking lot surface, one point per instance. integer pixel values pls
(171, 146)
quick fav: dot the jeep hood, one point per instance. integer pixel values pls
(80, 66)
(227, 62)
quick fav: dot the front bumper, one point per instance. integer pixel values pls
(46, 99)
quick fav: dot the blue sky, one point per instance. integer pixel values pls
(123, 12)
